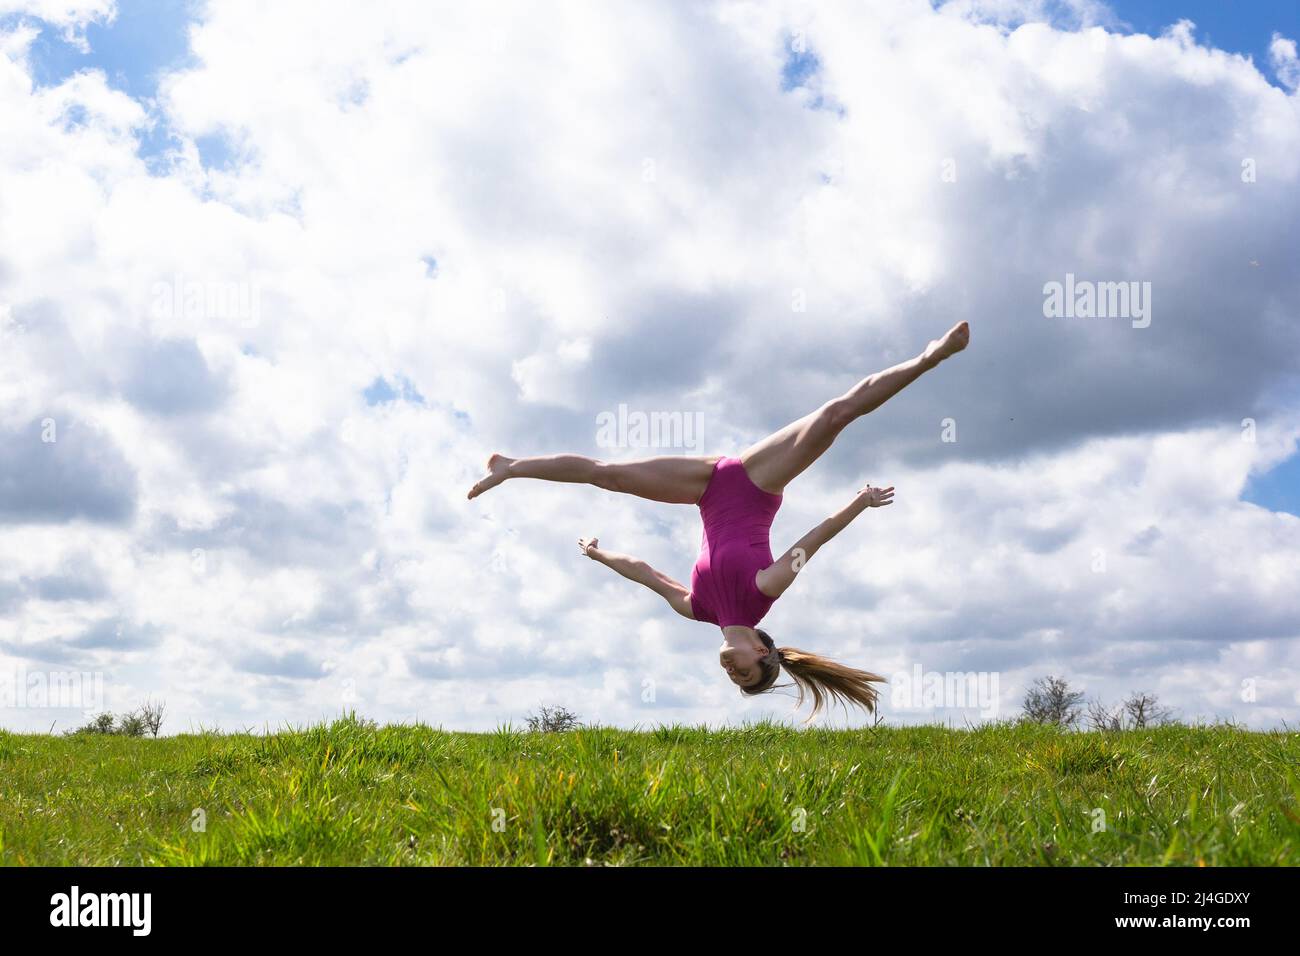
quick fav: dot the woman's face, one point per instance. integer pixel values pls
(740, 653)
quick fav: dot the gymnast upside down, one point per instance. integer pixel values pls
(735, 581)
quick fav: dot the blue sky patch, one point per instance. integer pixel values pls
(215, 151)
(380, 392)
(143, 41)
(800, 64)
(1277, 489)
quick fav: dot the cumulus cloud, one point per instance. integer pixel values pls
(517, 219)
(71, 17)
(1282, 53)
(61, 474)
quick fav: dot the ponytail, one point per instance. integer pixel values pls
(821, 678)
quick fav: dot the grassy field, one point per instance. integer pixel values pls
(353, 793)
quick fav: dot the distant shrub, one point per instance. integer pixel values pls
(553, 720)
(1140, 710)
(101, 724)
(1050, 700)
(135, 723)
(152, 714)
(131, 725)
(1104, 718)
(1144, 710)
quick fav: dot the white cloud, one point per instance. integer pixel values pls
(71, 16)
(1282, 54)
(630, 209)
(555, 377)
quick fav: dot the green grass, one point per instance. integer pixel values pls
(352, 793)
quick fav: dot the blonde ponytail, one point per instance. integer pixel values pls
(824, 680)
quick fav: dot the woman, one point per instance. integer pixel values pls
(735, 581)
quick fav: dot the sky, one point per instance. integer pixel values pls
(276, 279)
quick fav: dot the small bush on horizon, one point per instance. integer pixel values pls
(134, 723)
(553, 720)
(1051, 700)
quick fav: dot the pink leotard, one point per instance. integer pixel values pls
(737, 517)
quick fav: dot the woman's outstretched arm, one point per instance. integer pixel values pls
(634, 569)
(780, 574)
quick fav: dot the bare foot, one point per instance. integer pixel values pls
(953, 341)
(498, 467)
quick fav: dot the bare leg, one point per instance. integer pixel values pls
(776, 460)
(674, 479)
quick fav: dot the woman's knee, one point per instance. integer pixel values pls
(838, 413)
(607, 475)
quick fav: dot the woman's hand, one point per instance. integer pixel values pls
(876, 497)
(588, 545)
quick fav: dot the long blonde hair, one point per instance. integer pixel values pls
(821, 678)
